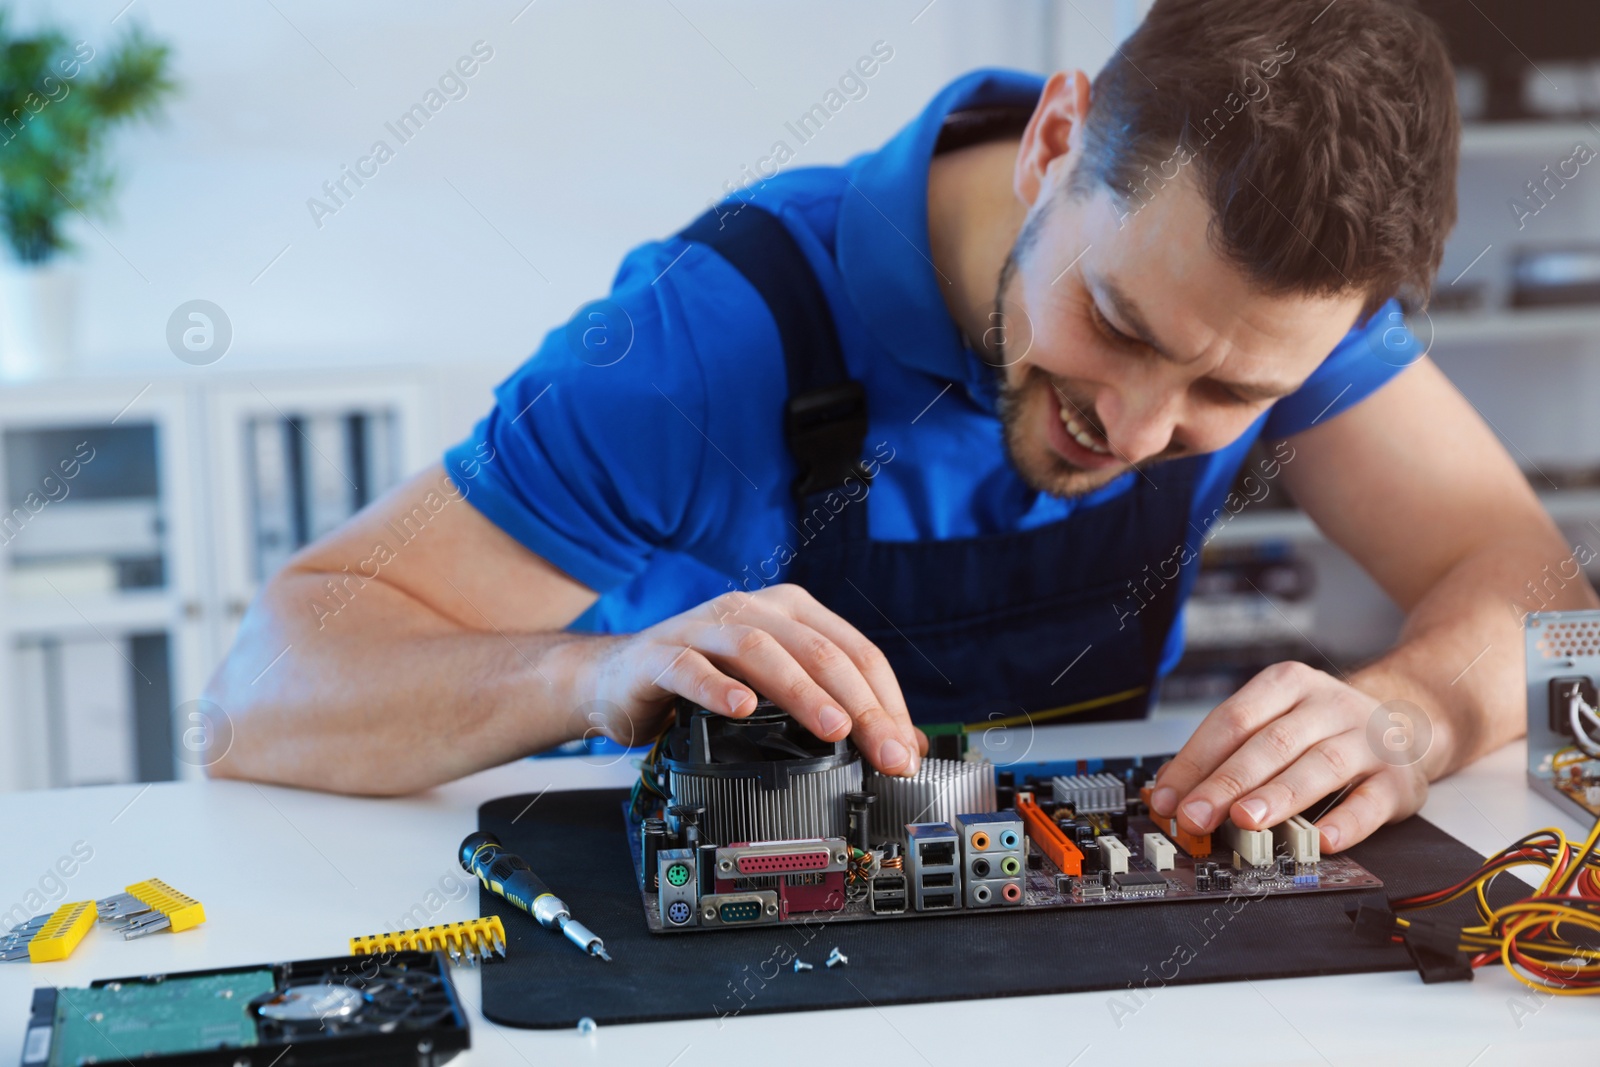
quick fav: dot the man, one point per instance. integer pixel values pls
(940, 432)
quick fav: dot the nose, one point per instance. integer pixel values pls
(1139, 426)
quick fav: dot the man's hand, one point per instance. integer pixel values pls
(1291, 736)
(779, 641)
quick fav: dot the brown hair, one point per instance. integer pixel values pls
(1323, 136)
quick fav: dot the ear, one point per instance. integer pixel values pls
(1054, 137)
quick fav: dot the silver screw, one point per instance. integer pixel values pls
(836, 956)
(801, 965)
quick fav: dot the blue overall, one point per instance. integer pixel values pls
(649, 448)
(976, 628)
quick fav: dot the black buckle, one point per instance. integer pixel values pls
(826, 429)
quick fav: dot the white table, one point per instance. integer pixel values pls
(288, 875)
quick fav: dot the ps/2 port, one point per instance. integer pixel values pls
(678, 874)
(980, 840)
(980, 868)
(678, 912)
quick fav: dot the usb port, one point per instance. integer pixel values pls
(938, 881)
(935, 901)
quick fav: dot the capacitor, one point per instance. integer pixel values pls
(688, 817)
(652, 839)
(707, 866)
(1005, 790)
(859, 809)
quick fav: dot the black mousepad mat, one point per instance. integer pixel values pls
(577, 843)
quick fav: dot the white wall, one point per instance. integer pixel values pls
(593, 127)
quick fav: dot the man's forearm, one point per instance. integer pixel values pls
(385, 697)
(1460, 653)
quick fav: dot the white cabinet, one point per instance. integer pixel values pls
(140, 518)
(288, 460)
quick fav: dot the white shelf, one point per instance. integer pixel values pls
(1249, 529)
(1516, 138)
(1295, 526)
(1567, 504)
(153, 609)
(1494, 327)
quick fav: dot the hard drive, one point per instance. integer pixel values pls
(393, 1008)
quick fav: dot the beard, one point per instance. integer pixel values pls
(1024, 406)
(1029, 397)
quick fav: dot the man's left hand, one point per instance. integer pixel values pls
(1291, 736)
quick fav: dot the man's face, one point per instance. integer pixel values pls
(1127, 339)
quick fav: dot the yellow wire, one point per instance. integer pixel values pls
(1568, 757)
(1027, 718)
(1520, 917)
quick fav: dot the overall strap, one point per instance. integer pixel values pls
(825, 418)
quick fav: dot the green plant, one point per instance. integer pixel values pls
(58, 103)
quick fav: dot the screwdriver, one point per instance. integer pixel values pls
(509, 877)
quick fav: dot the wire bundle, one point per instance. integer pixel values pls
(1549, 941)
(649, 794)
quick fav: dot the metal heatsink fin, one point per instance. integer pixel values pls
(742, 809)
(1090, 793)
(940, 790)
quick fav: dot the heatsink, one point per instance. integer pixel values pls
(1090, 793)
(939, 791)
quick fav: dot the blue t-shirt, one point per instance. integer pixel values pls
(641, 448)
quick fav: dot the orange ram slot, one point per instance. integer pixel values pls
(1196, 845)
(1048, 836)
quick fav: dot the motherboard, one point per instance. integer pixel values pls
(755, 821)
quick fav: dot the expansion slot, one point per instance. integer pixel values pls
(1048, 836)
(1253, 847)
(1299, 838)
(1159, 851)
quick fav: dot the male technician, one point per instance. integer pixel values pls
(943, 429)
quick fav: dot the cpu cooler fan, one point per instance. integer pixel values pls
(760, 778)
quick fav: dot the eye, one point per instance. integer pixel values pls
(1224, 395)
(1103, 324)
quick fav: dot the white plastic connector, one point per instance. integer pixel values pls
(1299, 838)
(1114, 854)
(1160, 852)
(1253, 846)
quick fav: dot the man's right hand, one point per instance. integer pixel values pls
(388, 674)
(779, 641)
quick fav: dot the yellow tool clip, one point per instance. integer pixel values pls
(46, 938)
(467, 942)
(149, 906)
